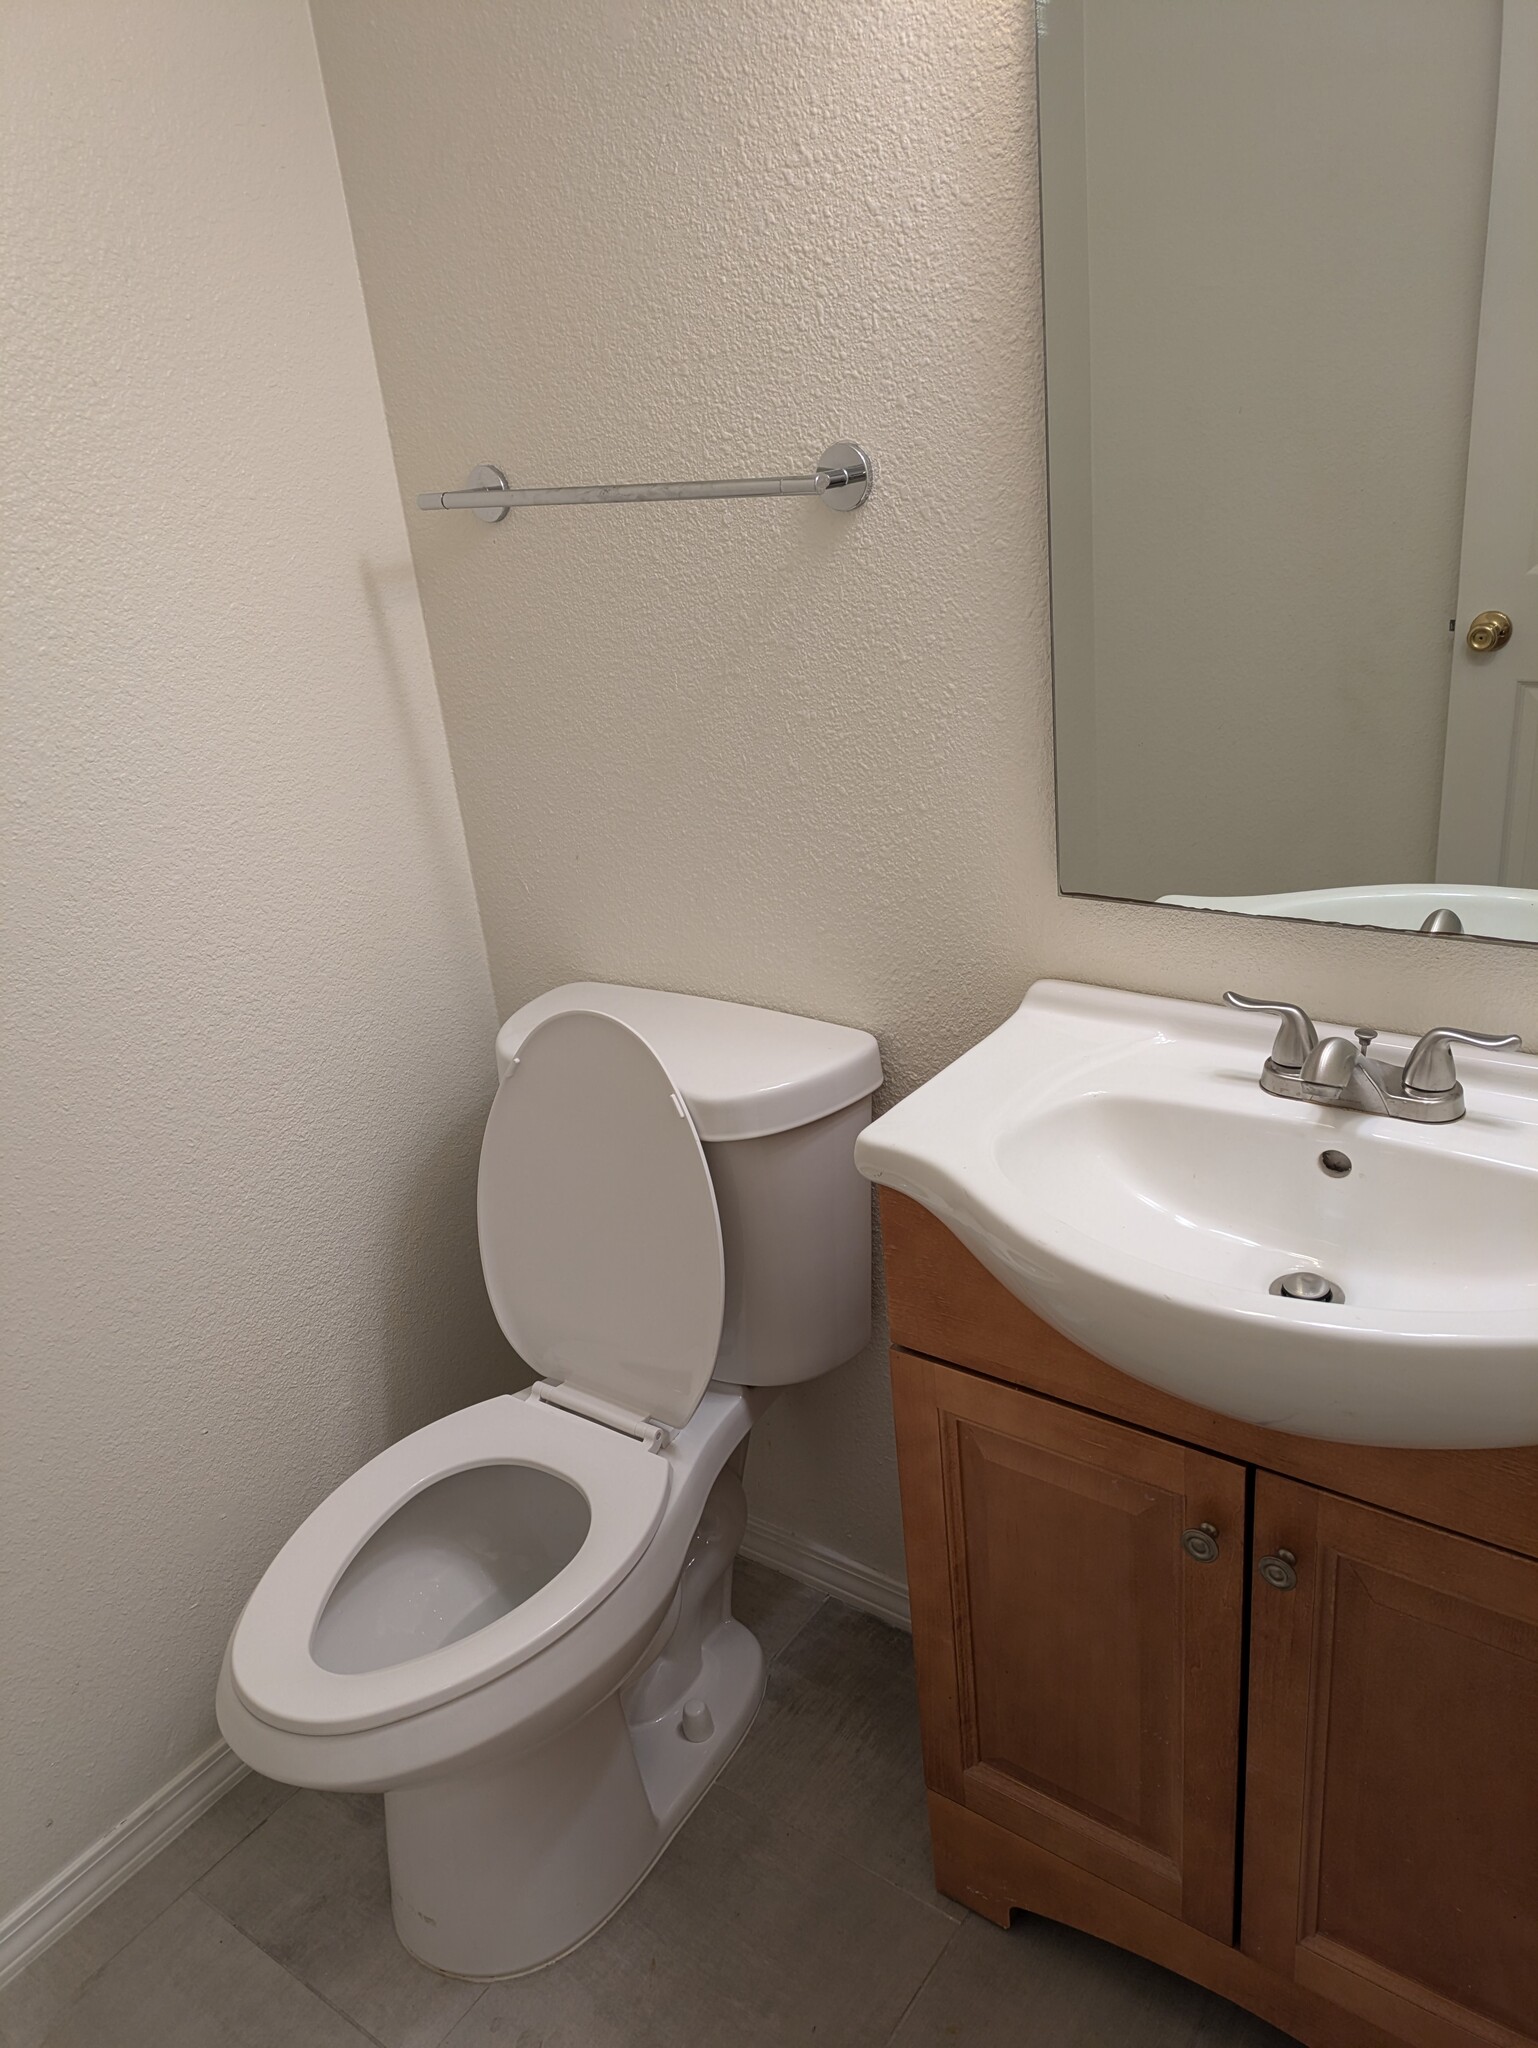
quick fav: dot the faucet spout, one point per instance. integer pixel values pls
(1331, 1065)
(1336, 1071)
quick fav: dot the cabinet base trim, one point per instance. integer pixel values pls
(984, 1867)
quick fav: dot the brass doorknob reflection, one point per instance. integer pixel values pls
(1489, 631)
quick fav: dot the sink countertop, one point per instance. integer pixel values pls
(1112, 1159)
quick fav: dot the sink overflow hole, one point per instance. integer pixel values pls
(1335, 1164)
(1308, 1286)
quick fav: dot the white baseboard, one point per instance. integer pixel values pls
(99, 1870)
(826, 1569)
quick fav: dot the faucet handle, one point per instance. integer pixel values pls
(1295, 1035)
(1430, 1071)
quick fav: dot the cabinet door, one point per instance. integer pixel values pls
(1391, 1815)
(1079, 1668)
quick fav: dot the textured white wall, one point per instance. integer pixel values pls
(249, 1023)
(757, 750)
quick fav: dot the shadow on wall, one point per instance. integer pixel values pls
(800, 1451)
(440, 1346)
(395, 615)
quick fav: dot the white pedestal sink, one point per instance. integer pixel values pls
(1112, 1160)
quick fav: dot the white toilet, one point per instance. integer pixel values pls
(516, 1624)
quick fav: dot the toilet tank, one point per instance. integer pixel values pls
(778, 1102)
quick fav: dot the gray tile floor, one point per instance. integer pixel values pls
(795, 1908)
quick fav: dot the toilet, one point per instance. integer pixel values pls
(516, 1623)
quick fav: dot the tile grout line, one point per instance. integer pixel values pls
(858, 1862)
(470, 2008)
(175, 1900)
(891, 1884)
(346, 2018)
(945, 1946)
(797, 1634)
(220, 1861)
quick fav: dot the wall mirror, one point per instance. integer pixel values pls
(1291, 262)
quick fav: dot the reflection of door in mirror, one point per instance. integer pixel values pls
(1490, 779)
(1264, 229)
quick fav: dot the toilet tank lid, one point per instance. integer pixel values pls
(742, 1071)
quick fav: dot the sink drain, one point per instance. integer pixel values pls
(1308, 1287)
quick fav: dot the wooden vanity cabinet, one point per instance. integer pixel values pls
(1114, 1746)
(1262, 1709)
(1391, 1848)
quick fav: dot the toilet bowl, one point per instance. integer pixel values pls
(516, 1623)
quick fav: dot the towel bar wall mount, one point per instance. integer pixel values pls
(844, 478)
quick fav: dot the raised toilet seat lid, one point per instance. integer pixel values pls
(600, 1235)
(273, 1655)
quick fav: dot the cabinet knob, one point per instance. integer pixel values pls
(1201, 1543)
(1280, 1570)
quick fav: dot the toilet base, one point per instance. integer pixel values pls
(501, 1870)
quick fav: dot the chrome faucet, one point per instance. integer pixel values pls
(1302, 1067)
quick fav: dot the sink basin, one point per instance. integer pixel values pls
(1112, 1160)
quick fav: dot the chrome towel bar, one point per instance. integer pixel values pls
(844, 478)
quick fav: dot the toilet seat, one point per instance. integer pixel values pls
(272, 1661)
(601, 1245)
